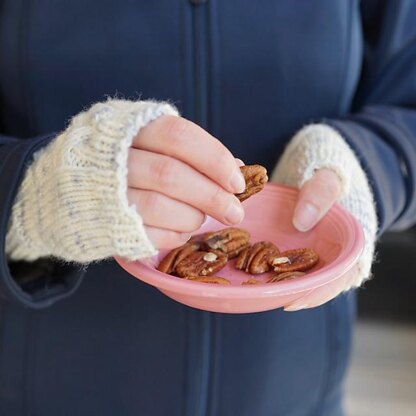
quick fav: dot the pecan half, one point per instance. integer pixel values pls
(256, 259)
(242, 259)
(201, 263)
(300, 259)
(198, 238)
(259, 263)
(234, 253)
(284, 276)
(209, 279)
(255, 177)
(230, 241)
(251, 282)
(171, 260)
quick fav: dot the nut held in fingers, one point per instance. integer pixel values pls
(255, 177)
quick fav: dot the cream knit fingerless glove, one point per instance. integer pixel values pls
(319, 146)
(72, 203)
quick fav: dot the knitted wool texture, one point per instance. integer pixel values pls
(72, 203)
(319, 146)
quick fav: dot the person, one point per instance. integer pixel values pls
(165, 99)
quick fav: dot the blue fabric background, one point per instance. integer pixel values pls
(251, 73)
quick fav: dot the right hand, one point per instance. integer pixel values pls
(177, 174)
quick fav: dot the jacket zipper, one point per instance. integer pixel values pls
(200, 57)
(200, 87)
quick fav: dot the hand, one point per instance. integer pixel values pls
(316, 197)
(177, 174)
(319, 162)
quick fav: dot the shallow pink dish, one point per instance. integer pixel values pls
(338, 239)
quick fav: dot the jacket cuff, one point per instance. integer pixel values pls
(32, 284)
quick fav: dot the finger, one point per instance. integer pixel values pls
(315, 198)
(186, 141)
(166, 239)
(179, 181)
(160, 211)
(239, 162)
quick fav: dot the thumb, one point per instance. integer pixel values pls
(315, 198)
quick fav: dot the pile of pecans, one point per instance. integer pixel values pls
(206, 254)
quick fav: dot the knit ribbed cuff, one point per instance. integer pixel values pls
(72, 203)
(314, 147)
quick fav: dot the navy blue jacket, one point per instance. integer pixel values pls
(251, 73)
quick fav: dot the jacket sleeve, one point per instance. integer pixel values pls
(382, 127)
(34, 284)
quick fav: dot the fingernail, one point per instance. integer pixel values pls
(294, 308)
(306, 216)
(235, 213)
(239, 162)
(238, 184)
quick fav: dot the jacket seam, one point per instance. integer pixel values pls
(27, 390)
(180, 27)
(23, 62)
(346, 58)
(215, 365)
(215, 90)
(329, 370)
(212, 109)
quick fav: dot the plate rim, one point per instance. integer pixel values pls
(314, 280)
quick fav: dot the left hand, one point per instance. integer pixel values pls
(316, 197)
(320, 163)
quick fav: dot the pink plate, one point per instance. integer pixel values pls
(338, 239)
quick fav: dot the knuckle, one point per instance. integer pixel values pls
(164, 172)
(175, 239)
(177, 129)
(222, 165)
(217, 200)
(153, 203)
(163, 240)
(227, 163)
(329, 182)
(194, 222)
(333, 187)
